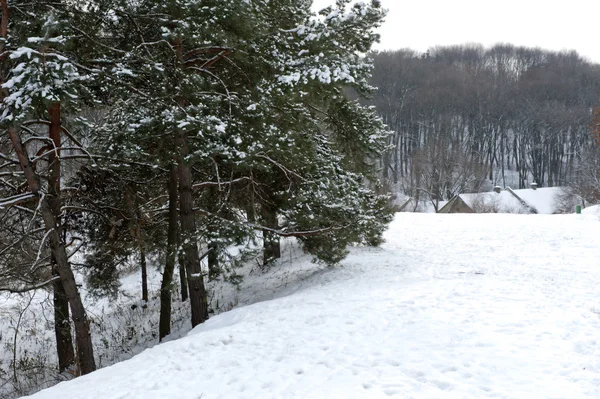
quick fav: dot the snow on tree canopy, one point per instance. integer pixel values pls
(42, 76)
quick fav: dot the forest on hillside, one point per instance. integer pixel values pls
(467, 117)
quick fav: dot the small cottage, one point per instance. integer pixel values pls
(534, 200)
(457, 205)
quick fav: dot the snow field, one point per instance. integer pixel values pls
(452, 306)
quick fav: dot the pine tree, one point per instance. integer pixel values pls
(43, 81)
(248, 101)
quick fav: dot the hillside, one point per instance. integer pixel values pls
(452, 306)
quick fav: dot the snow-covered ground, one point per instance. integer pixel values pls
(124, 326)
(592, 210)
(452, 306)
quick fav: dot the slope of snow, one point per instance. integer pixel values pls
(452, 306)
(124, 326)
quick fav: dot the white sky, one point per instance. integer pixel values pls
(549, 24)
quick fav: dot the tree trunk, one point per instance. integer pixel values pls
(213, 261)
(191, 257)
(85, 350)
(136, 217)
(213, 255)
(143, 263)
(144, 272)
(165, 287)
(271, 246)
(62, 327)
(183, 279)
(178, 255)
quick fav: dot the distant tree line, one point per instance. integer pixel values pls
(465, 117)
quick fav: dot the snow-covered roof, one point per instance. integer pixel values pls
(399, 199)
(502, 202)
(542, 199)
(509, 201)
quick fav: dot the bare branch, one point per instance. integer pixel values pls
(305, 233)
(30, 288)
(212, 183)
(20, 240)
(16, 199)
(64, 130)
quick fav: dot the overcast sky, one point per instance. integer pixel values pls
(549, 24)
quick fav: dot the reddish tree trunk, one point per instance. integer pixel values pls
(85, 350)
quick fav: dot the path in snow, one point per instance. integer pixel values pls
(452, 306)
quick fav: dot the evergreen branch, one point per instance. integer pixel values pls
(282, 233)
(122, 161)
(64, 130)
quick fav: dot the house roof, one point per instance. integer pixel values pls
(541, 200)
(502, 202)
